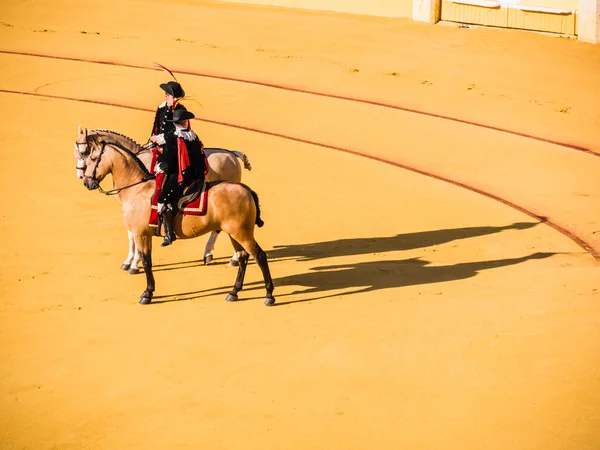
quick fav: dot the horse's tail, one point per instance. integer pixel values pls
(259, 222)
(244, 159)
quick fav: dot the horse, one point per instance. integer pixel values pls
(231, 207)
(223, 165)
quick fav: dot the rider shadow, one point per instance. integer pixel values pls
(407, 241)
(327, 281)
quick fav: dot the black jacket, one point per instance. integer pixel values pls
(195, 153)
(161, 125)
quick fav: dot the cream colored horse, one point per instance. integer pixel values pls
(223, 165)
(232, 208)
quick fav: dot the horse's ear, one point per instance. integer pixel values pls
(79, 130)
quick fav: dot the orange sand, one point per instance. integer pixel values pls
(411, 313)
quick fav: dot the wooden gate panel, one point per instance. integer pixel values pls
(560, 17)
(477, 12)
(551, 20)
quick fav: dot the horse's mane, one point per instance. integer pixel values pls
(120, 138)
(125, 146)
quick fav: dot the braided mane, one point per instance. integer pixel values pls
(121, 138)
(133, 156)
(123, 143)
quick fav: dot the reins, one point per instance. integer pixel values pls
(116, 191)
(147, 175)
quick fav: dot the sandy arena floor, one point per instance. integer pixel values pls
(403, 170)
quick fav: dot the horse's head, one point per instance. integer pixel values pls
(82, 150)
(94, 167)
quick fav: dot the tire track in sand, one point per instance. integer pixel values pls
(579, 241)
(315, 93)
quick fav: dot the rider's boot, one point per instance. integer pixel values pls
(168, 223)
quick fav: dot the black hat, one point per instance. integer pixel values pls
(181, 113)
(173, 88)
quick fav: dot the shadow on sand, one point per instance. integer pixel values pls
(407, 241)
(362, 246)
(326, 281)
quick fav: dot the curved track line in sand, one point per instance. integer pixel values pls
(320, 94)
(580, 242)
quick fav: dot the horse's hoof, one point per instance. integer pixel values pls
(208, 258)
(133, 271)
(269, 301)
(231, 298)
(125, 266)
(234, 263)
(145, 300)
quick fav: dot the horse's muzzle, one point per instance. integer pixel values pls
(90, 183)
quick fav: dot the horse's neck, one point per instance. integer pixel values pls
(125, 141)
(145, 157)
(126, 172)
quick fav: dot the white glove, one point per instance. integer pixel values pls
(161, 167)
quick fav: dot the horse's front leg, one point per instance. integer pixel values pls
(131, 264)
(144, 246)
(132, 250)
(135, 265)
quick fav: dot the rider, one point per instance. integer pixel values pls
(183, 161)
(162, 126)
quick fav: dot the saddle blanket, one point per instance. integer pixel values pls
(195, 207)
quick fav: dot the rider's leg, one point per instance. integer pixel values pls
(167, 216)
(168, 197)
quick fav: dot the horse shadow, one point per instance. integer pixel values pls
(324, 282)
(363, 246)
(327, 281)
(399, 242)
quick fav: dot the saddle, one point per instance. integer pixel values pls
(193, 202)
(191, 193)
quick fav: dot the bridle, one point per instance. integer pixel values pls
(148, 176)
(79, 155)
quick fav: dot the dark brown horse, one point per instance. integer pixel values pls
(232, 208)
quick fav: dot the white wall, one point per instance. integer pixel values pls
(588, 24)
